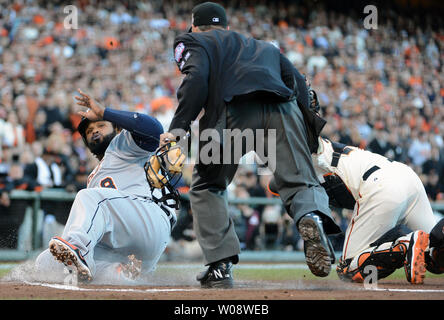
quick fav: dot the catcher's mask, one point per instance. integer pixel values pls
(162, 172)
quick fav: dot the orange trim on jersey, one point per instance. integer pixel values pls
(351, 229)
(93, 173)
(269, 190)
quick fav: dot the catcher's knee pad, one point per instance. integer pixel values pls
(386, 260)
(435, 260)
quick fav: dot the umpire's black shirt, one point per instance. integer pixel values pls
(220, 65)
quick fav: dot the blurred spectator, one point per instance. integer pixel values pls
(250, 216)
(12, 212)
(433, 163)
(13, 132)
(271, 227)
(44, 169)
(79, 181)
(433, 187)
(420, 149)
(290, 235)
(381, 90)
(15, 180)
(379, 144)
(40, 128)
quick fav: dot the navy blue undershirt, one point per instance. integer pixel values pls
(144, 129)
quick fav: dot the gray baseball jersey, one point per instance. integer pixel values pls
(115, 215)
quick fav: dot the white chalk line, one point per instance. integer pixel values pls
(154, 290)
(408, 290)
(75, 288)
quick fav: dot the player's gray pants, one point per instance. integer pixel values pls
(107, 225)
(295, 176)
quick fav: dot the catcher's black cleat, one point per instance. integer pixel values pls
(218, 275)
(319, 254)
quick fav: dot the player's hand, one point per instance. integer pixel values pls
(165, 138)
(95, 110)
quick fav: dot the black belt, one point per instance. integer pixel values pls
(169, 215)
(369, 172)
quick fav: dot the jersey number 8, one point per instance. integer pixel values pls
(108, 183)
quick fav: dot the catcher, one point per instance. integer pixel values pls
(388, 201)
(117, 215)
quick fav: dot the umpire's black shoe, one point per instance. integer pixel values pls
(218, 275)
(319, 254)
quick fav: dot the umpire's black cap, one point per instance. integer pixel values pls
(209, 13)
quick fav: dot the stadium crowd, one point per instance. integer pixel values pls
(381, 89)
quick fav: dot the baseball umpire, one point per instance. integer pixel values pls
(246, 84)
(115, 216)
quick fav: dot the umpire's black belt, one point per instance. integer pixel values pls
(169, 215)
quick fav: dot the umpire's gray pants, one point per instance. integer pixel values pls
(295, 176)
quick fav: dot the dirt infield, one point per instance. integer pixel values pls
(296, 290)
(177, 283)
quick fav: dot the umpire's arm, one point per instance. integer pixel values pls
(193, 92)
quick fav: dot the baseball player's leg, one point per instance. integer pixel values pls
(385, 258)
(408, 251)
(101, 215)
(371, 219)
(145, 233)
(419, 213)
(384, 198)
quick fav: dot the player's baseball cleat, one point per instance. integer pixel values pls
(130, 270)
(414, 265)
(218, 275)
(70, 256)
(318, 252)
